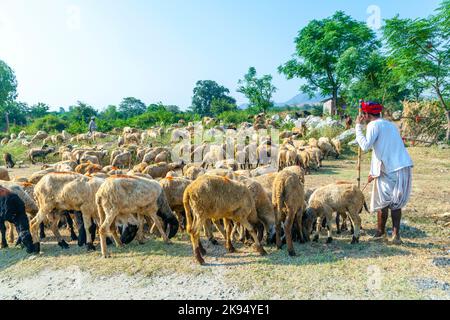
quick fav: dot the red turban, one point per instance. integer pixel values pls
(371, 107)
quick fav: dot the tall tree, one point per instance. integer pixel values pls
(38, 110)
(130, 107)
(258, 91)
(8, 91)
(420, 50)
(81, 112)
(219, 106)
(376, 82)
(329, 53)
(205, 92)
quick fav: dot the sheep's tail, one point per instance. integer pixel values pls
(188, 211)
(101, 211)
(366, 207)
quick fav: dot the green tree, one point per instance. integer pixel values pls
(329, 53)
(38, 110)
(130, 107)
(420, 50)
(376, 82)
(205, 92)
(110, 113)
(81, 112)
(221, 105)
(8, 91)
(258, 91)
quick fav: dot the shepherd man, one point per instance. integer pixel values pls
(390, 169)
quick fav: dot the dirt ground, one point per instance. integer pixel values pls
(418, 269)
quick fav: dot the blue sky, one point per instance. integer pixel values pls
(101, 51)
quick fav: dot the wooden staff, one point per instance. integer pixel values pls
(359, 151)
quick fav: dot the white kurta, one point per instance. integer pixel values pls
(391, 164)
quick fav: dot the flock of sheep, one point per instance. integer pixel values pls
(252, 192)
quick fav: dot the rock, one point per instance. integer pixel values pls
(347, 135)
(397, 115)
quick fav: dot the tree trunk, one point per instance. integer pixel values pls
(7, 121)
(334, 103)
(447, 112)
(447, 115)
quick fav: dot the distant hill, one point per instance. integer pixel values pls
(298, 101)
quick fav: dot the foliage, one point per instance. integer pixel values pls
(376, 82)
(205, 92)
(330, 53)
(419, 49)
(258, 91)
(130, 107)
(49, 123)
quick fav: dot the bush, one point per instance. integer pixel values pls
(235, 117)
(49, 123)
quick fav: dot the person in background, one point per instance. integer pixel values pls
(92, 127)
(391, 167)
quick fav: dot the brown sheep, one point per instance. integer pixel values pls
(288, 198)
(174, 189)
(125, 199)
(342, 198)
(88, 168)
(35, 153)
(194, 172)
(7, 157)
(38, 175)
(4, 175)
(122, 160)
(337, 146)
(164, 156)
(160, 170)
(58, 192)
(201, 203)
(327, 148)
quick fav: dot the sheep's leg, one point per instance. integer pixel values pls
(140, 233)
(318, 228)
(219, 228)
(4, 243)
(300, 226)
(228, 244)
(338, 226)
(11, 233)
(329, 216)
(54, 227)
(35, 223)
(278, 231)
(288, 231)
(259, 248)
(180, 218)
(356, 222)
(207, 227)
(160, 227)
(87, 222)
(195, 240)
(234, 232)
(69, 221)
(115, 235)
(104, 231)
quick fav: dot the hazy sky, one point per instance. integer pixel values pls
(99, 51)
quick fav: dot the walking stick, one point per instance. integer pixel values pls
(359, 150)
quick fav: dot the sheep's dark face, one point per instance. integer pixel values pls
(128, 234)
(27, 242)
(171, 225)
(308, 220)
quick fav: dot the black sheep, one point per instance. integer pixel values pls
(12, 209)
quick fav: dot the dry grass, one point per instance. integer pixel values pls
(419, 269)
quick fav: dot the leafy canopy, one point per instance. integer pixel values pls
(205, 92)
(258, 91)
(330, 53)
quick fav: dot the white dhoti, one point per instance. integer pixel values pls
(392, 190)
